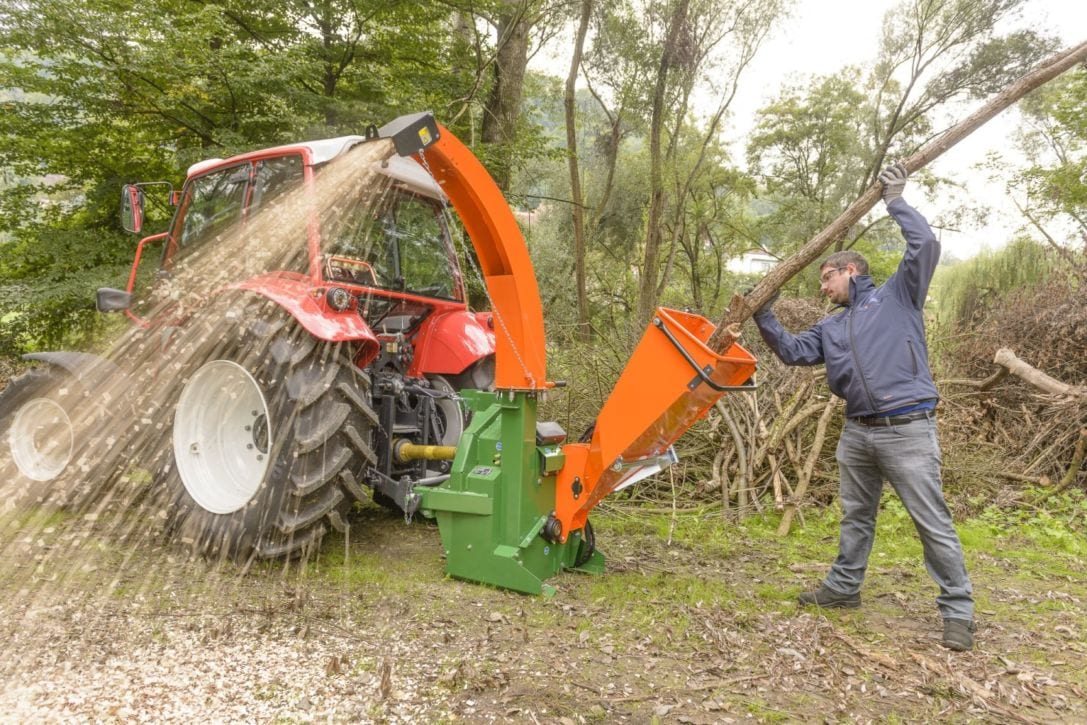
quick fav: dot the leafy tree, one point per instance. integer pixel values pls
(808, 145)
(817, 147)
(1054, 186)
(649, 59)
(689, 54)
(100, 93)
(933, 53)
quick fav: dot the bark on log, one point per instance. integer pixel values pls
(741, 308)
(1007, 359)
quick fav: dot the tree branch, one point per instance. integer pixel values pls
(1007, 359)
(742, 308)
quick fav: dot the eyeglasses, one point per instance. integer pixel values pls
(825, 277)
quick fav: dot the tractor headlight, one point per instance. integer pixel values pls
(338, 298)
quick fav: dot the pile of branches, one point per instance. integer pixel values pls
(1024, 384)
(774, 447)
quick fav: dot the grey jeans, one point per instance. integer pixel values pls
(908, 457)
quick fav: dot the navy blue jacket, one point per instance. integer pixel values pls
(874, 349)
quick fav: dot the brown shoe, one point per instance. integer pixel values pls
(830, 599)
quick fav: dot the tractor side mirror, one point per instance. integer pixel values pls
(132, 208)
(112, 300)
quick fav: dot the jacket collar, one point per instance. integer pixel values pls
(860, 286)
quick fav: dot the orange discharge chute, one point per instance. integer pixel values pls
(520, 355)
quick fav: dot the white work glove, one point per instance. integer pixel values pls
(893, 179)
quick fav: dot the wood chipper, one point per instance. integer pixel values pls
(514, 510)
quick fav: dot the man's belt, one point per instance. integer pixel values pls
(894, 419)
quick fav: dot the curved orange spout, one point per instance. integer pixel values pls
(503, 258)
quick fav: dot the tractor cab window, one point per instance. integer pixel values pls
(273, 178)
(398, 243)
(215, 203)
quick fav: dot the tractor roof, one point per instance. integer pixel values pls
(407, 171)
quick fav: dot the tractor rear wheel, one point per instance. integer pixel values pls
(270, 436)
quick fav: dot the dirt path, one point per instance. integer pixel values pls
(101, 625)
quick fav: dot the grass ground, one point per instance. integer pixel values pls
(694, 621)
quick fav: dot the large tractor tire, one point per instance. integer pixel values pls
(453, 417)
(41, 435)
(271, 431)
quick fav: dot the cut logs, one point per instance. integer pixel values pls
(1010, 362)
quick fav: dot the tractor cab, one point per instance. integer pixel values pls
(396, 240)
(384, 254)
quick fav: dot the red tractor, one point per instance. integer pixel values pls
(295, 387)
(266, 387)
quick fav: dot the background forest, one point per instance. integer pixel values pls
(617, 162)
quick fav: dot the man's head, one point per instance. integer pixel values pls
(834, 274)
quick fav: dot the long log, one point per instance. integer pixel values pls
(1017, 367)
(742, 307)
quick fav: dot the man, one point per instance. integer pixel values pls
(877, 360)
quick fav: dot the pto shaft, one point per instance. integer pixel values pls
(406, 451)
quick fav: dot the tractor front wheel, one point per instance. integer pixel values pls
(42, 426)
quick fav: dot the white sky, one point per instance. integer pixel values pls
(822, 36)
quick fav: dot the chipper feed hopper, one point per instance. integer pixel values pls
(514, 510)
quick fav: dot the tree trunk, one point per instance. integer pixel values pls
(504, 103)
(647, 289)
(576, 209)
(741, 307)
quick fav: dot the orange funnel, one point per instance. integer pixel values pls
(672, 379)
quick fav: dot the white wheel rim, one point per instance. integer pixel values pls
(222, 436)
(41, 439)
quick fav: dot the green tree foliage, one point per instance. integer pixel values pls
(647, 63)
(820, 144)
(100, 93)
(808, 146)
(964, 291)
(1055, 140)
(932, 53)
